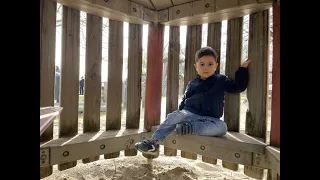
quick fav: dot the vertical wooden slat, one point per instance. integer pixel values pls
(192, 46)
(92, 85)
(115, 61)
(154, 78)
(173, 77)
(233, 61)
(256, 116)
(68, 123)
(134, 80)
(48, 10)
(275, 108)
(214, 40)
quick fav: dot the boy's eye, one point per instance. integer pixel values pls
(202, 64)
(210, 64)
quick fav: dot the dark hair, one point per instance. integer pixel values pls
(206, 51)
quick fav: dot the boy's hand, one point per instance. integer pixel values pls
(246, 63)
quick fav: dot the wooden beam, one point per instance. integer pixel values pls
(134, 80)
(91, 144)
(154, 78)
(48, 10)
(214, 40)
(92, 84)
(210, 11)
(124, 10)
(70, 62)
(115, 61)
(173, 77)
(47, 115)
(258, 51)
(233, 61)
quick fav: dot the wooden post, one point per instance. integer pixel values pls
(48, 10)
(214, 41)
(233, 61)
(173, 77)
(114, 98)
(192, 46)
(92, 83)
(134, 80)
(68, 123)
(275, 108)
(154, 78)
(257, 92)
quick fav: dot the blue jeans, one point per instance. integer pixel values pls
(203, 125)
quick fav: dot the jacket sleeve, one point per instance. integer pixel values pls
(187, 91)
(239, 84)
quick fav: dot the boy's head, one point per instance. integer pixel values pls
(206, 62)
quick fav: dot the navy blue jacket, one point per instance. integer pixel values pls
(206, 97)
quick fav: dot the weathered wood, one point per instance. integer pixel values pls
(68, 122)
(233, 61)
(115, 61)
(48, 10)
(214, 40)
(113, 9)
(92, 144)
(92, 85)
(134, 80)
(275, 111)
(154, 78)
(210, 11)
(173, 77)
(193, 44)
(256, 116)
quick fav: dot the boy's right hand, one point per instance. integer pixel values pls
(246, 63)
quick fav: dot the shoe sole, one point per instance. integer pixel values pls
(148, 152)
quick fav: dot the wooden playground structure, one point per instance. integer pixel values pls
(249, 149)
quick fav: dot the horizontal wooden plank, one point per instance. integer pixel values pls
(123, 10)
(89, 144)
(273, 155)
(231, 140)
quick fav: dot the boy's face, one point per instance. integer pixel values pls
(206, 66)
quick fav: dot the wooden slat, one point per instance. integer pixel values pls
(275, 111)
(92, 85)
(47, 115)
(256, 116)
(233, 61)
(173, 77)
(68, 123)
(193, 44)
(214, 39)
(154, 78)
(48, 10)
(134, 80)
(114, 97)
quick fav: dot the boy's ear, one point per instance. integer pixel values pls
(195, 66)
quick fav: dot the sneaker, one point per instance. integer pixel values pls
(185, 128)
(148, 146)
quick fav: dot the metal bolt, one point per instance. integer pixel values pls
(43, 157)
(207, 5)
(237, 155)
(178, 11)
(105, 0)
(131, 141)
(42, 152)
(173, 141)
(202, 148)
(134, 10)
(102, 146)
(66, 153)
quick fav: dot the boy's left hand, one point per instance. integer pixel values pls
(246, 63)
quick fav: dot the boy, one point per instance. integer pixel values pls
(202, 105)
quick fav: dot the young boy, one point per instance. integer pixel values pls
(202, 104)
